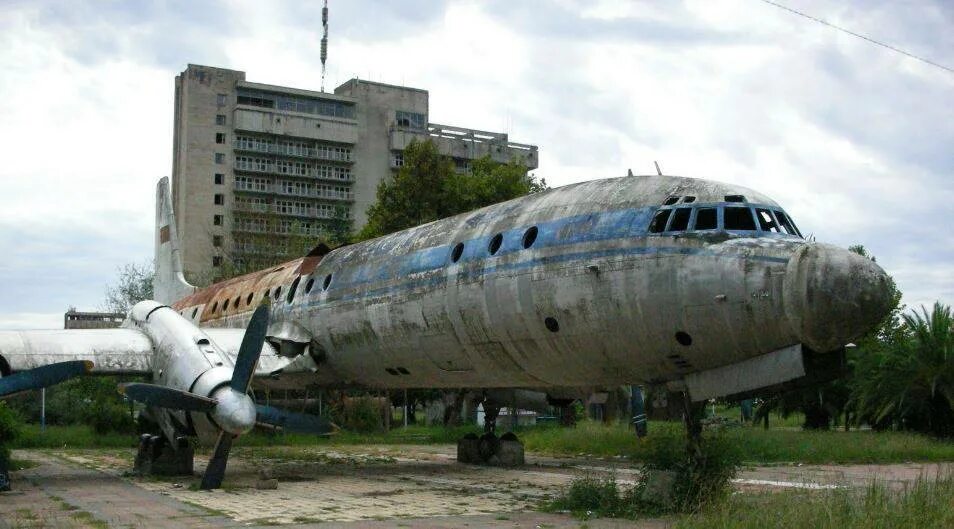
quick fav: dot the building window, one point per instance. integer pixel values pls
(219, 157)
(219, 137)
(397, 159)
(217, 220)
(217, 241)
(220, 119)
(410, 120)
(220, 99)
(219, 178)
(216, 261)
(219, 199)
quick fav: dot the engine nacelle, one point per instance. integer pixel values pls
(185, 358)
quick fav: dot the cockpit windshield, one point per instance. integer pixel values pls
(727, 216)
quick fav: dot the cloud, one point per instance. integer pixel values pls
(851, 138)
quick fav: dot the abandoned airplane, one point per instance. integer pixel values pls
(705, 287)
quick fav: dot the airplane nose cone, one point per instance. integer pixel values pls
(235, 412)
(834, 296)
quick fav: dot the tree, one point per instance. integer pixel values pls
(133, 284)
(909, 384)
(427, 188)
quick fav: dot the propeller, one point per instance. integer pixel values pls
(43, 376)
(229, 406)
(294, 422)
(164, 397)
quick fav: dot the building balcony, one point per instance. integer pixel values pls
(294, 152)
(270, 169)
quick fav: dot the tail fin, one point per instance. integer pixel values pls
(168, 284)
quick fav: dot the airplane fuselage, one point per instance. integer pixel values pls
(573, 287)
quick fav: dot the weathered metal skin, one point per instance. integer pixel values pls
(186, 358)
(576, 292)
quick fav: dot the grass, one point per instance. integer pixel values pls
(757, 446)
(76, 436)
(926, 504)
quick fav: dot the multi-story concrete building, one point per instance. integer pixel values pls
(254, 163)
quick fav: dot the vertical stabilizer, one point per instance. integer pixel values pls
(169, 284)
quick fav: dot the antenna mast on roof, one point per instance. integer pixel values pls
(324, 43)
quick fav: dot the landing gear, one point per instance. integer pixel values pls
(488, 449)
(157, 457)
(693, 413)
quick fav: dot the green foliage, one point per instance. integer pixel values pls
(73, 436)
(590, 496)
(133, 284)
(754, 444)
(670, 482)
(926, 504)
(9, 431)
(361, 414)
(427, 188)
(909, 383)
(91, 400)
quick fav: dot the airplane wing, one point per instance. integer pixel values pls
(111, 351)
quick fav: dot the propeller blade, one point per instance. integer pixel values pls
(43, 376)
(294, 422)
(163, 397)
(215, 471)
(250, 350)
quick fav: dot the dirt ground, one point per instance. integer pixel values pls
(350, 487)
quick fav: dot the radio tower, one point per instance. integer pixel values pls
(324, 43)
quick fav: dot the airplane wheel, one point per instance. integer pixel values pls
(488, 446)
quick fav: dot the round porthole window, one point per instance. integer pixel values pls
(551, 324)
(529, 236)
(457, 252)
(683, 338)
(495, 244)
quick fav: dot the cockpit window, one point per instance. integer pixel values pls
(706, 219)
(735, 198)
(767, 221)
(737, 218)
(670, 201)
(658, 224)
(787, 223)
(689, 198)
(680, 220)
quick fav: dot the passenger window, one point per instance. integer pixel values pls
(739, 219)
(658, 225)
(787, 224)
(766, 221)
(706, 219)
(680, 220)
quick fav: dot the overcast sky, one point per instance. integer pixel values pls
(855, 141)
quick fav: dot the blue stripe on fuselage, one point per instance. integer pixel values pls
(590, 227)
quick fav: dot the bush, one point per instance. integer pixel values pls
(9, 430)
(671, 482)
(359, 414)
(590, 496)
